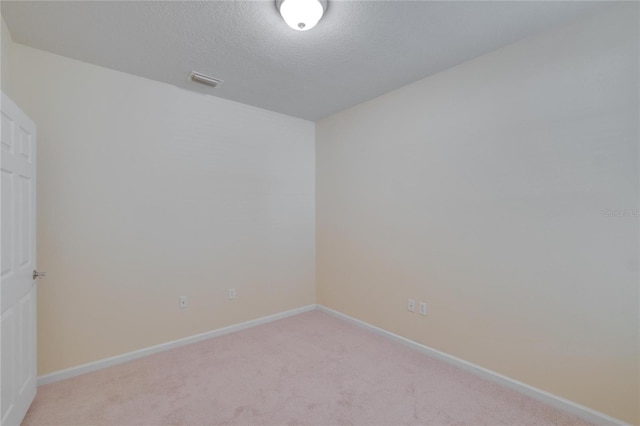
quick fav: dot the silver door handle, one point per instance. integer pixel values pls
(37, 274)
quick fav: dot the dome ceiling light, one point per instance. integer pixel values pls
(301, 15)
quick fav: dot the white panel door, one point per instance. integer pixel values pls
(17, 263)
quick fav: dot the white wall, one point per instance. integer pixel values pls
(147, 192)
(487, 191)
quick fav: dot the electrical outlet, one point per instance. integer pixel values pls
(232, 293)
(183, 301)
(411, 305)
(423, 308)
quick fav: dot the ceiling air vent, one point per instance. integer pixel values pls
(204, 79)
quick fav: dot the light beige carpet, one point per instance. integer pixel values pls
(307, 369)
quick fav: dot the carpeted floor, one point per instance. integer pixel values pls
(308, 369)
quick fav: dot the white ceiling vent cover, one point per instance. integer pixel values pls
(204, 79)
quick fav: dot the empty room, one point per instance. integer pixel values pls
(320, 212)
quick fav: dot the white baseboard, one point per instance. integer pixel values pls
(560, 403)
(553, 400)
(119, 359)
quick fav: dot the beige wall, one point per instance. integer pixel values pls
(484, 191)
(6, 44)
(147, 192)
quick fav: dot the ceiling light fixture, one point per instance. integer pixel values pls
(301, 15)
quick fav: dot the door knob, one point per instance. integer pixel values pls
(37, 274)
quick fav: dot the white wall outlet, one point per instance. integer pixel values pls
(423, 308)
(411, 305)
(183, 302)
(232, 293)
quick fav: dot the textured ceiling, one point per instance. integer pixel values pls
(359, 50)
